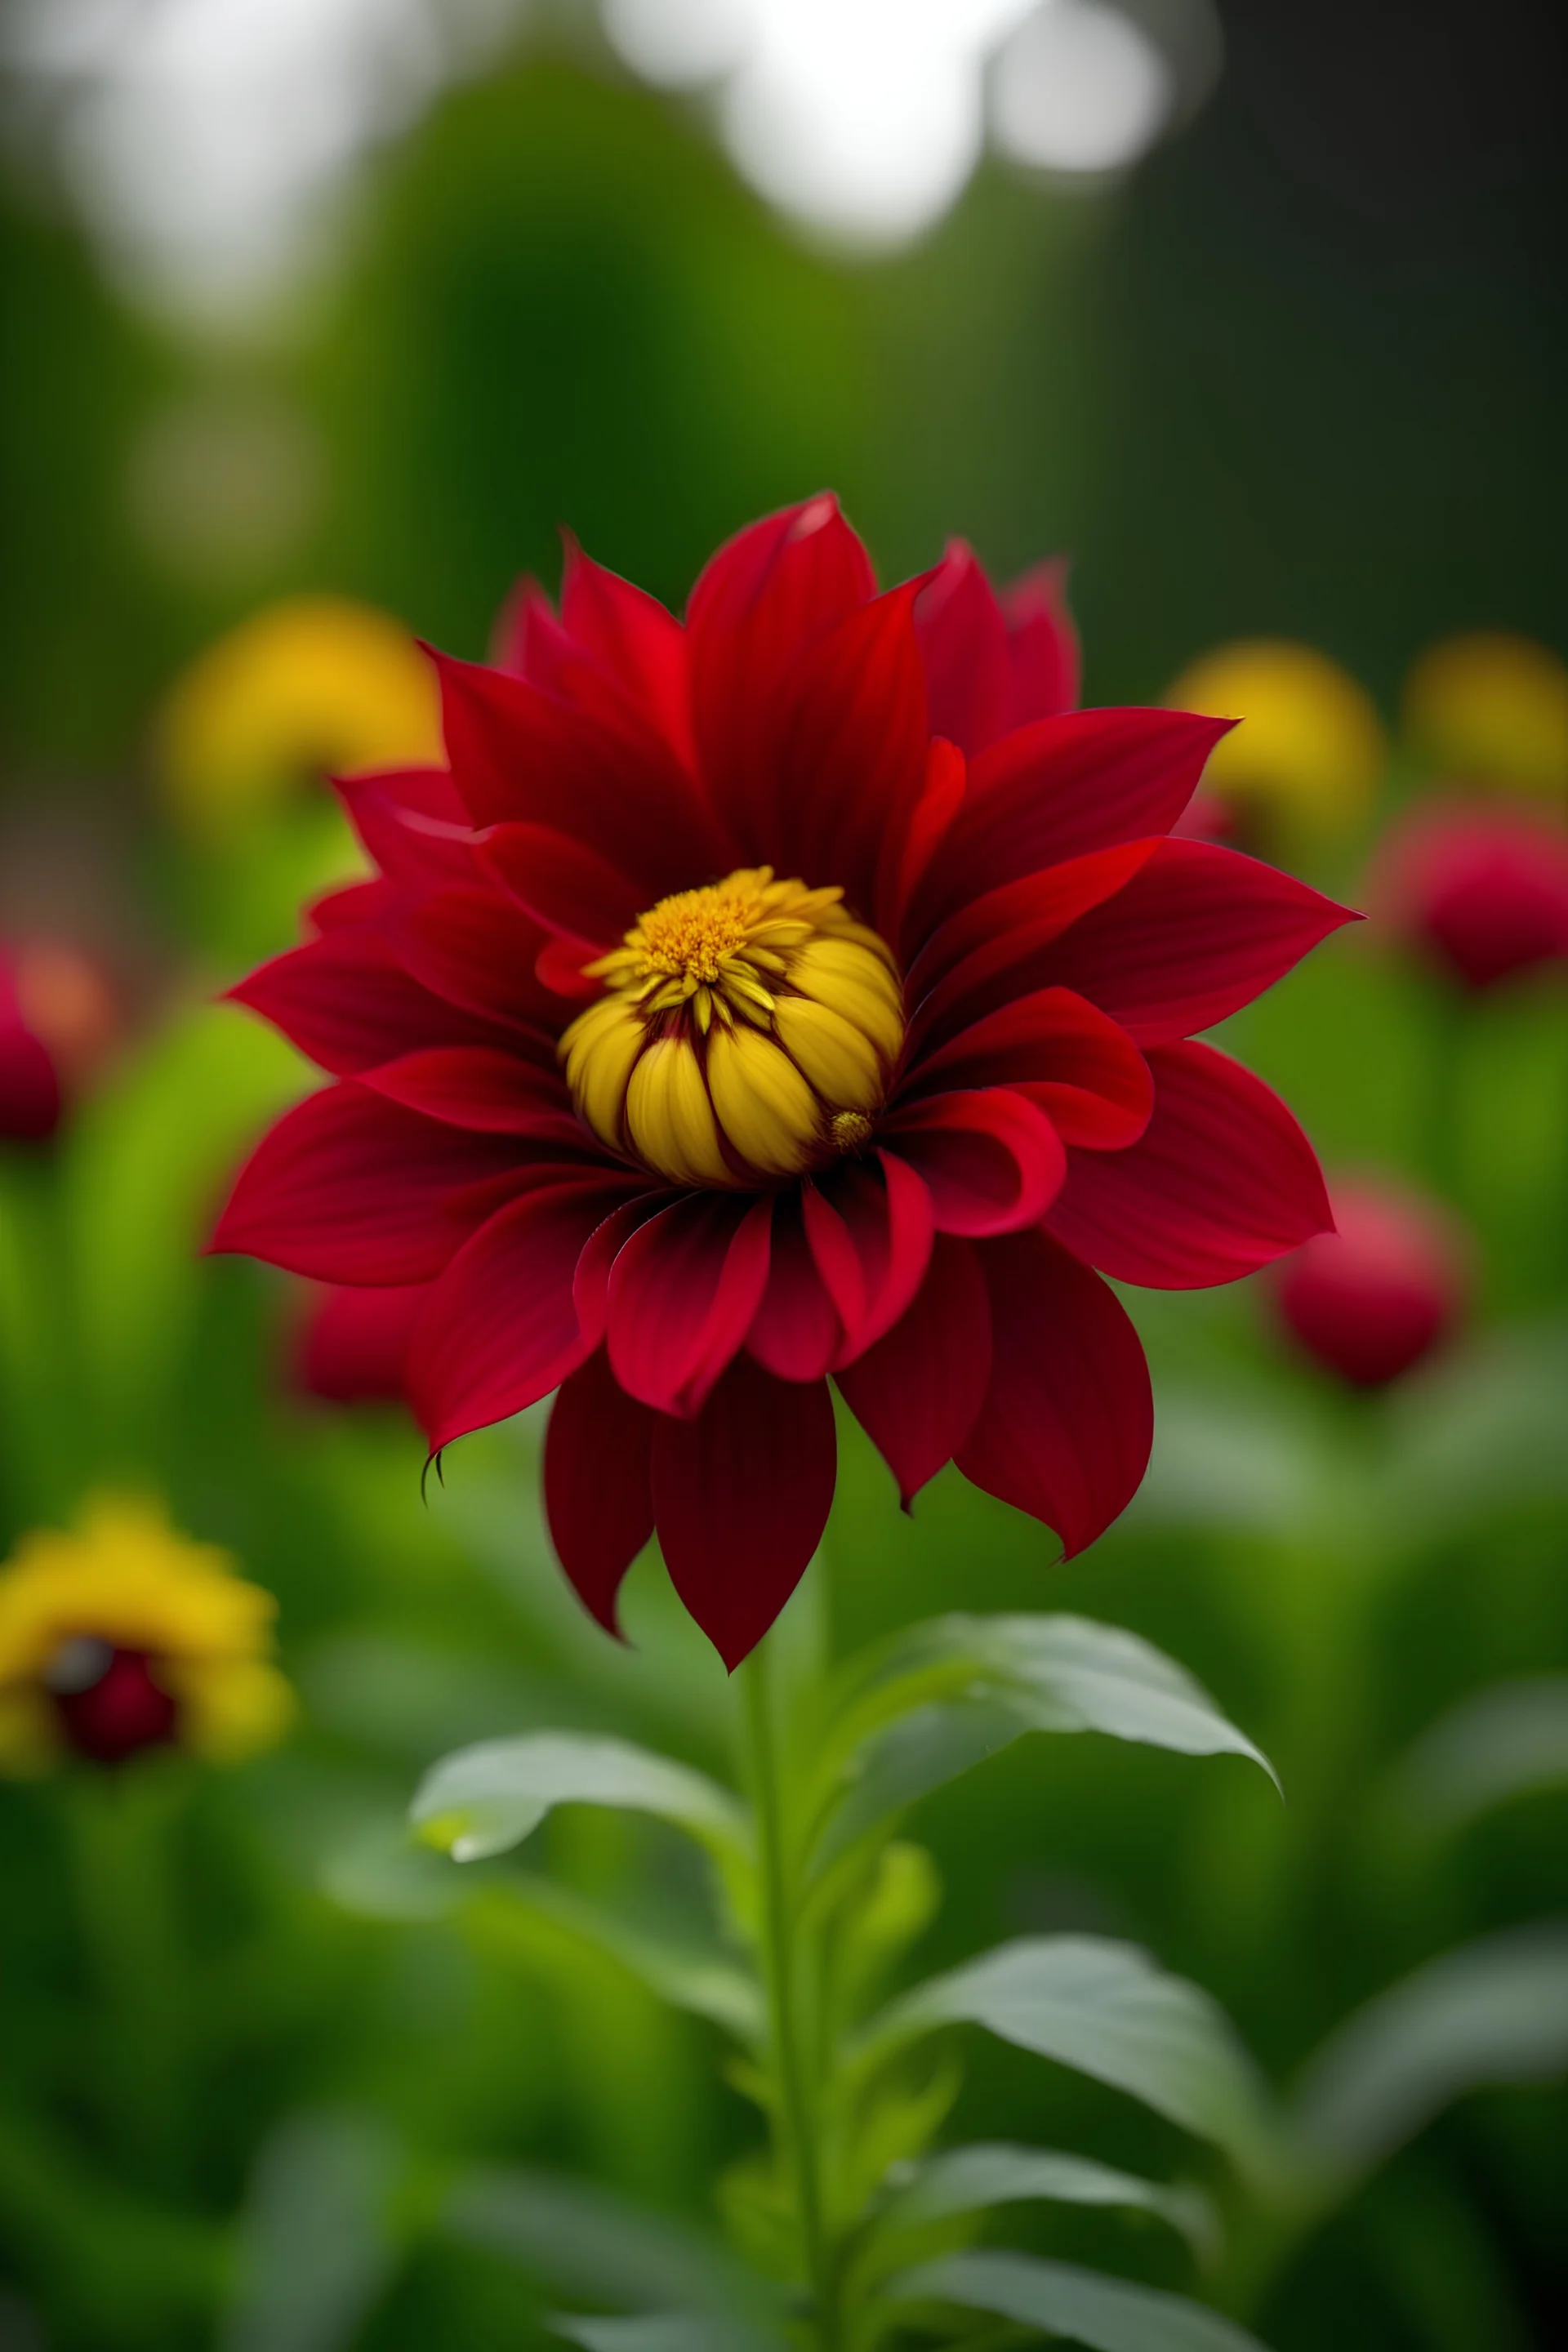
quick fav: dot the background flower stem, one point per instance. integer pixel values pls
(120, 1834)
(796, 2119)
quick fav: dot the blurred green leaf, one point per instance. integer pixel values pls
(1106, 2313)
(572, 2237)
(973, 2180)
(1495, 2012)
(373, 1867)
(666, 2332)
(148, 1166)
(316, 2247)
(1509, 1741)
(540, 1920)
(1109, 2010)
(487, 1797)
(954, 1690)
(901, 1896)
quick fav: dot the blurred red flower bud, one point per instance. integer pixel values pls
(1206, 817)
(1390, 1284)
(352, 1346)
(57, 1017)
(1482, 888)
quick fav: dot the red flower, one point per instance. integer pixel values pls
(1482, 888)
(56, 1018)
(713, 1028)
(1382, 1291)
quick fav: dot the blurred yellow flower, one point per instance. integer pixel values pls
(124, 1634)
(313, 687)
(1311, 749)
(1490, 709)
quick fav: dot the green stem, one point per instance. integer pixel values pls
(120, 1833)
(1448, 1026)
(796, 2132)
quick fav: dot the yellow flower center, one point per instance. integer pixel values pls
(747, 1032)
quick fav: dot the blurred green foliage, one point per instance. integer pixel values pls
(234, 2021)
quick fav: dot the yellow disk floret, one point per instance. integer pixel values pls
(125, 1580)
(1310, 748)
(747, 1032)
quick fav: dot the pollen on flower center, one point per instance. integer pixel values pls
(748, 1031)
(691, 936)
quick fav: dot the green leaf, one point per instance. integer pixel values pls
(1495, 2012)
(974, 2180)
(665, 2332)
(1108, 2315)
(574, 2239)
(315, 2245)
(1109, 2010)
(485, 1798)
(899, 1896)
(1509, 1741)
(537, 1921)
(954, 1690)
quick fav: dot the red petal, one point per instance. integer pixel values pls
(641, 646)
(741, 1495)
(991, 1162)
(591, 1284)
(910, 848)
(598, 1487)
(762, 600)
(870, 1233)
(795, 1333)
(986, 953)
(353, 1346)
(501, 1330)
(520, 755)
(413, 823)
(1199, 932)
(356, 904)
(963, 644)
(1222, 1182)
(917, 1392)
(583, 660)
(683, 1292)
(847, 743)
(346, 1002)
(1065, 786)
(476, 949)
(349, 1188)
(1042, 644)
(560, 967)
(1065, 1430)
(1064, 1055)
(564, 885)
(496, 1093)
(525, 618)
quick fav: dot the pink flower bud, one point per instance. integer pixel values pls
(1482, 888)
(57, 1017)
(1373, 1297)
(352, 1346)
